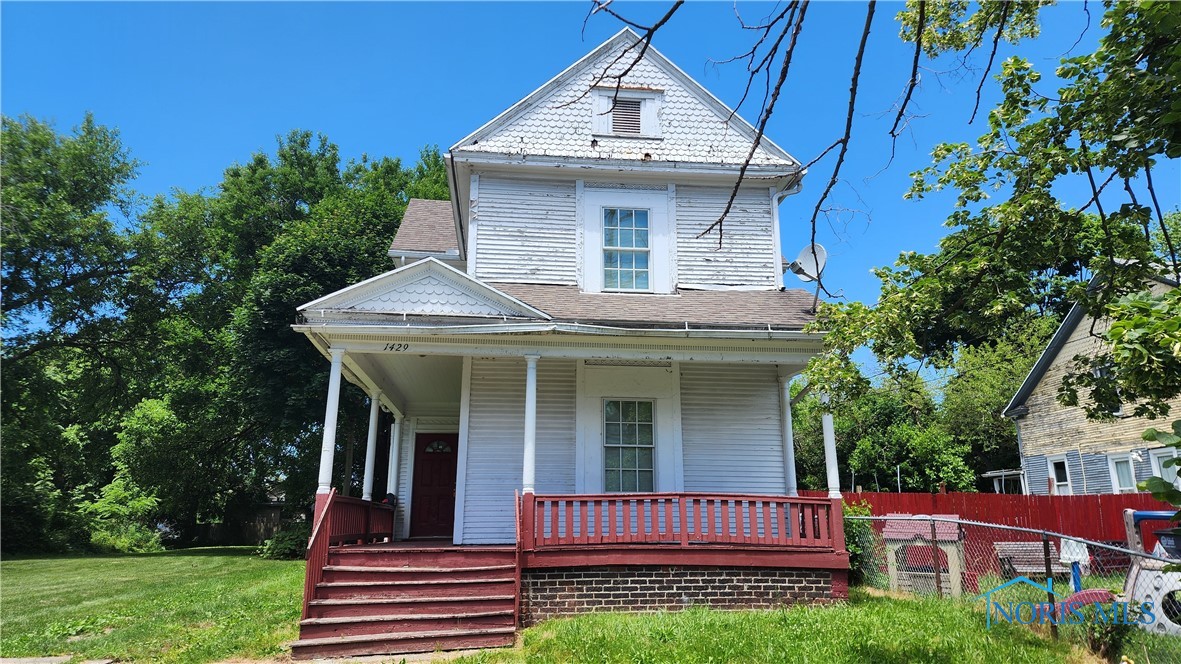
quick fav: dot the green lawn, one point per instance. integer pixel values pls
(870, 628)
(205, 605)
(197, 605)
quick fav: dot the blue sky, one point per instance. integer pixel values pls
(195, 87)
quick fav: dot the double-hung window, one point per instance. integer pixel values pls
(628, 445)
(1060, 475)
(626, 250)
(1123, 475)
(1166, 472)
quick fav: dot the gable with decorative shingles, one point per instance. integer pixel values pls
(558, 119)
(425, 288)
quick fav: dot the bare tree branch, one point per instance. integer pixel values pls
(644, 43)
(914, 75)
(844, 141)
(996, 40)
(1160, 218)
(768, 110)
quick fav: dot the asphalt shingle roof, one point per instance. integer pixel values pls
(427, 226)
(788, 309)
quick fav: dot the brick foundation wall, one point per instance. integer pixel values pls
(550, 593)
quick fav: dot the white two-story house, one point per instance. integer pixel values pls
(576, 374)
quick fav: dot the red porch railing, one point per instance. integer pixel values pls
(342, 520)
(683, 520)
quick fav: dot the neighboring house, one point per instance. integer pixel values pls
(590, 397)
(1061, 450)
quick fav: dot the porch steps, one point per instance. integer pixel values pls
(376, 600)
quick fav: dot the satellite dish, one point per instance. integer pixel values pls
(810, 263)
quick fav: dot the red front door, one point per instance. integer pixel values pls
(432, 502)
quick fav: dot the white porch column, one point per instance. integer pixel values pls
(328, 447)
(789, 442)
(528, 473)
(830, 450)
(371, 445)
(391, 481)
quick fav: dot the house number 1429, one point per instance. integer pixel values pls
(397, 348)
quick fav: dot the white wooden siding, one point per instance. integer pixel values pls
(495, 442)
(527, 231)
(731, 430)
(746, 255)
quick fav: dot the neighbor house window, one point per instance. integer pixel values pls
(628, 444)
(1123, 477)
(625, 249)
(1167, 473)
(1060, 475)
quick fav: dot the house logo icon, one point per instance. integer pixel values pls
(1012, 612)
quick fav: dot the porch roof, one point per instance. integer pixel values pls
(784, 310)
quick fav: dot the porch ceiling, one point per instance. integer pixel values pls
(418, 382)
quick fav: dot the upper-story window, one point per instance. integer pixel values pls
(627, 112)
(627, 241)
(625, 249)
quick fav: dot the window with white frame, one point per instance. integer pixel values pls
(1123, 474)
(625, 249)
(628, 445)
(627, 240)
(1059, 475)
(1167, 472)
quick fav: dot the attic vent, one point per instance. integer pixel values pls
(625, 118)
(628, 185)
(627, 363)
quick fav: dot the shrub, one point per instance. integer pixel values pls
(290, 543)
(125, 538)
(861, 541)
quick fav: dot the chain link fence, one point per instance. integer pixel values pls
(1113, 597)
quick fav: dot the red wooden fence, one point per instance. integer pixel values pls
(1098, 517)
(677, 520)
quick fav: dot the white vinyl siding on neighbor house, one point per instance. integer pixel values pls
(495, 434)
(748, 255)
(732, 431)
(525, 230)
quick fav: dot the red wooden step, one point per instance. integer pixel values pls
(313, 628)
(337, 608)
(438, 588)
(408, 642)
(340, 573)
(452, 557)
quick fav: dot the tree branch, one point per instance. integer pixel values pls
(768, 110)
(844, 141)
(914, 75)
(996, 40)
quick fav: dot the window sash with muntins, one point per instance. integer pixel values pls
(629, 445)
(626, 250)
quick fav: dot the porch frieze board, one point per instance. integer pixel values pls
(597, 350)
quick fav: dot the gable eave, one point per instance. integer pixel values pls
(621, 38)
(1044, 361)
(424, 266)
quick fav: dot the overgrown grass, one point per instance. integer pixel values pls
(869, 628)
(197, 605)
